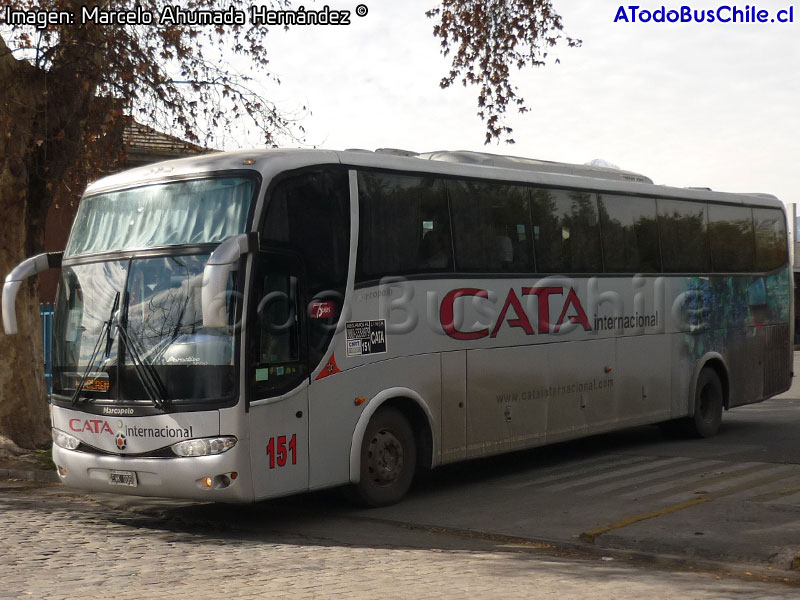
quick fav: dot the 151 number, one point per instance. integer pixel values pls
(280, 452)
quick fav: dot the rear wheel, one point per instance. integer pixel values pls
(388, 459)
(708, 405)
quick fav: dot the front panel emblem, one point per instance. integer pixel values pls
(121, 443)
(329, 369)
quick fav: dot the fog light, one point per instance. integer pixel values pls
(218, 482)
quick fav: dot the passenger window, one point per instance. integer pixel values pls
(732, 241)
(770, 232)
(491, 227)
(630, 236)
(404, 226)
(566, 234)
(683, 230)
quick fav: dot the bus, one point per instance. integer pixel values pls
(242, 326)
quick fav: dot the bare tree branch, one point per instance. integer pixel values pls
(489, 39)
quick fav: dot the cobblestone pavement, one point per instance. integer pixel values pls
(60, 544)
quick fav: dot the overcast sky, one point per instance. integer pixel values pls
(686, 104)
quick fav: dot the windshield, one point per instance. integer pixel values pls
(156, 302)
(180, 212)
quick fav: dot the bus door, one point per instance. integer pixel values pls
(278, 375)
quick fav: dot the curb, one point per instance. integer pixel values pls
(28, 475)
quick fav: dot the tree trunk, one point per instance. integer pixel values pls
(23, 404)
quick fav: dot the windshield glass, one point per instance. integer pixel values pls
(180, 212)
(159, 309)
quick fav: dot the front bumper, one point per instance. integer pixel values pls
(179, 477)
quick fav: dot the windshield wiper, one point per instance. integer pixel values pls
(147, 376)
(105, 330)
(145, 372)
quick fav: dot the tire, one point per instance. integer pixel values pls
(708, 404)
(388, 459)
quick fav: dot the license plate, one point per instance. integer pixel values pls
(123, 478)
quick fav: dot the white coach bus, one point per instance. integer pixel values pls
(247, 325)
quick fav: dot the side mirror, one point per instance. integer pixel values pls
(29, 266)
(220, 264)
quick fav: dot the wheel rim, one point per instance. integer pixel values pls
(385, 458)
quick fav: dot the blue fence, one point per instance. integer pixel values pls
(46, 310)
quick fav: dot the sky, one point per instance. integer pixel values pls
(687, 104)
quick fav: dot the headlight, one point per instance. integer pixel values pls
(65, 440)
(204, 446)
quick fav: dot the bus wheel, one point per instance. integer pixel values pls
(707, 417)
(388, 459)
(708, 400)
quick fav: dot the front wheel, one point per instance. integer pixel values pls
(388, 459)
